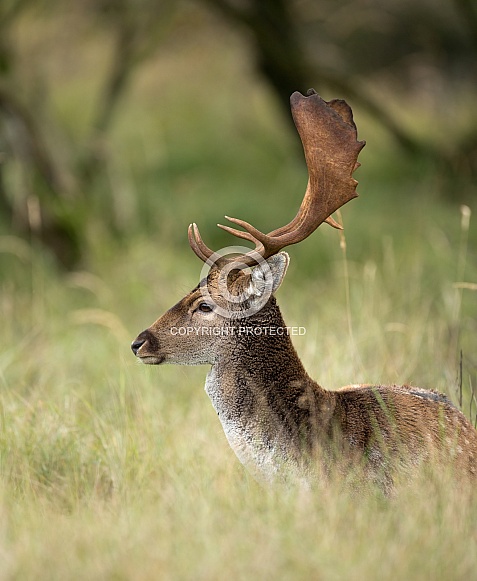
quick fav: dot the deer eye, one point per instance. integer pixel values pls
(204, 308)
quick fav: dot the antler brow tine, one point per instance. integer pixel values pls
(197, 244)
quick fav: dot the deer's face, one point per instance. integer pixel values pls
(196, 329)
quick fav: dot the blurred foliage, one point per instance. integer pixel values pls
(52, 194)
(103, 103)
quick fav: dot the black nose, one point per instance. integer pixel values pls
(137, 344)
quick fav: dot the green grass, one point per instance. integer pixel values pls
(110, 469)
(113, 470)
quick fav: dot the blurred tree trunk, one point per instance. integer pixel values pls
(50, 202)
(464, 162)
(36, 211)
(41, 210)
(285, 63)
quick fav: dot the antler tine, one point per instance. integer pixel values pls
(265, 245)
(241, 234)
(197, 244)
(333, 223)
(253, 233)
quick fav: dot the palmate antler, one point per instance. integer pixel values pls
(329, 137)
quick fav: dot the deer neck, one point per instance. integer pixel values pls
(269, 407)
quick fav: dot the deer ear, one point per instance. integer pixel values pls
(276, 266)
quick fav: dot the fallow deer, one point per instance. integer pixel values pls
(276, 418)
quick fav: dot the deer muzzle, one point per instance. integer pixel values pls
(145, 347)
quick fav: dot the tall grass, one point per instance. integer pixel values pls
(113, 470)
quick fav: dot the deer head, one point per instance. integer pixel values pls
(239, 289)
